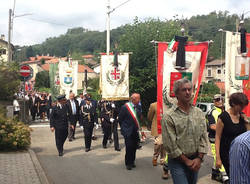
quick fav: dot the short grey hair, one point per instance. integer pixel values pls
(179, 83)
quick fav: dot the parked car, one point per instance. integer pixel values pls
(205, 107)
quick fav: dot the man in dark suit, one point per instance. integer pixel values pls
(105, 116)
(73, 113)
(129, 123)
(94, 104)
(59, 123)
(33, 105)
(87, 117)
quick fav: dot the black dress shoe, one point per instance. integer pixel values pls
(104, 146)
(129, 167)
(139, 146)
(70, 140)
(87, 149)
(118, 149)
(133, 165)
(60, 154)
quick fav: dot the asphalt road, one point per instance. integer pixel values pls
(99, 166)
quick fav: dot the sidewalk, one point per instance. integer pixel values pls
(21, 168)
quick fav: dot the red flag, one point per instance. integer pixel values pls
(196, 56)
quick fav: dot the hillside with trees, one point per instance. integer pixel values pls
(136, 38)
(79, 41)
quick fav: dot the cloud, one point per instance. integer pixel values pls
(53, 17)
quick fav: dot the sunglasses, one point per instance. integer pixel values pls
(217, 99)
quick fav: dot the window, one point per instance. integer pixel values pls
(209, 73)
(219, 71)
(2, 51)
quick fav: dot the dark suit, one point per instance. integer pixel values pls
(129, 130)
(94, 103)
(105, 116)
(73, 118)
(114, 126)
(49, 106)
(59, 120)
(33, 105)
(87, 117)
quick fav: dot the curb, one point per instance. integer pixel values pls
(39, 170)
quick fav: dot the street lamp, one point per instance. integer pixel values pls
(109, 11)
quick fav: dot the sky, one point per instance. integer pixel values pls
(37, 20)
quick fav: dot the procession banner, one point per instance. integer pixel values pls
(115, 80)
(68, 74)
(237, 68)
(196, 57)
(54, 80)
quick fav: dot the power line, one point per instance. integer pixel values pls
(119, 5)
(48, 22)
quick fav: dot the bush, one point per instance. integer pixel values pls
(14, 135)
(44, 90)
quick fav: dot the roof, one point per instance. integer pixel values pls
(48, 59)
(29, 62)
(56, 60)
(87, 56)
(38, 58)
(45, 67)
(81, 68)
(217, 62)
(6, 43)
(221, 85)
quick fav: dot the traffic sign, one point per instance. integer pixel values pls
(26, 71)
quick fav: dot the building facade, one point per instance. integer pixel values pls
(4, 50)
(214, 71)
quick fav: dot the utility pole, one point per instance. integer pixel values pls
(9, 37)
(109, 11)
(108, 29)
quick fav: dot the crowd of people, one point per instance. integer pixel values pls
(186, 131)
(185, 139)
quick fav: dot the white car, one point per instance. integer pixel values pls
(205, 107)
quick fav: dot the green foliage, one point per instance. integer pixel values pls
(93, 88)
(81, 40)
(77, 56)
(205, 27)
(42, 61)
(142, 66)
(45, 90)
(10, 80)
(14, 135)
(209, 88)
(42, 80)
(207, 92)
(205, 98)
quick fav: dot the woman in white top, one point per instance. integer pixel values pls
(16, 106)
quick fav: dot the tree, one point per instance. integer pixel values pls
(137, 39)
(207, 91)
(10, 80)
(42, 80)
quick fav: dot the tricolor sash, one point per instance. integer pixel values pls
(133, 113)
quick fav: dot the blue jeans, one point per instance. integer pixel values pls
(181, 174)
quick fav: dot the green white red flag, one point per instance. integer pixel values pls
(196, 57)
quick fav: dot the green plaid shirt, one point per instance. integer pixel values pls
(184, 132)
